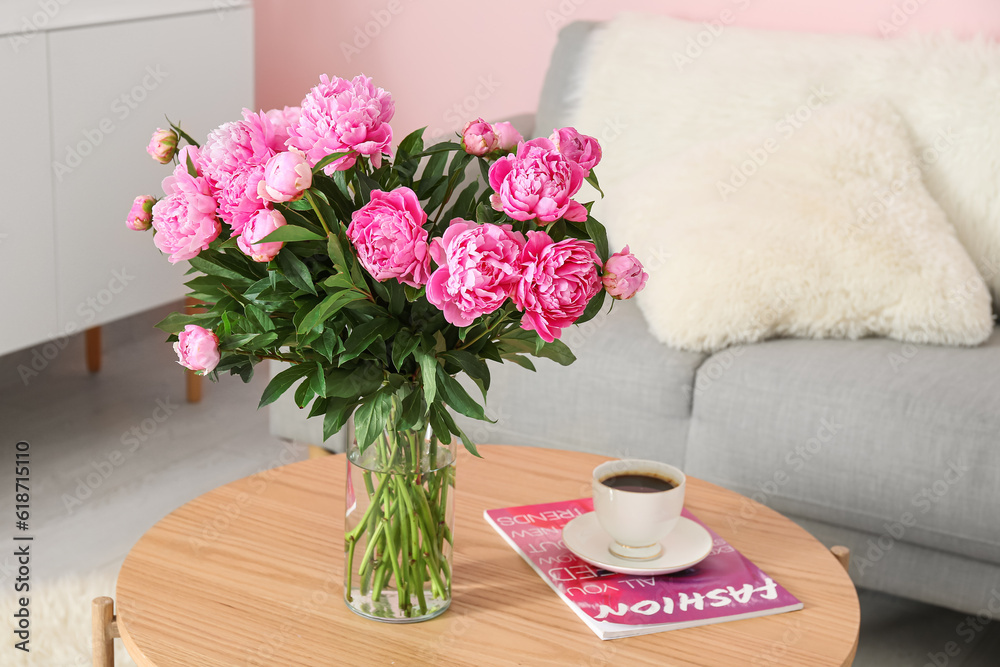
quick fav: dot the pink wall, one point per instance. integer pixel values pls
(450, 60)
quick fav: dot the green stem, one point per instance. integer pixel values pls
(312, 202)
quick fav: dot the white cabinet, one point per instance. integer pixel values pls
(79, 105)
(27, 260)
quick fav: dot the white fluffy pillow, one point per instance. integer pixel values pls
(826, 232)
(654, 86)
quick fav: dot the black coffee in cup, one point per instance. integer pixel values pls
(638, 483)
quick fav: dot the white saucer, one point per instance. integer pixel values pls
(687, 544)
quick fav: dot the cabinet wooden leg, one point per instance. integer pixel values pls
(104, 631)
(92, 336)
(193, 380)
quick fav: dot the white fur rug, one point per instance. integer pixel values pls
(60, 621)
(653, 86)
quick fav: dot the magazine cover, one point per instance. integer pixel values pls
(725, 586)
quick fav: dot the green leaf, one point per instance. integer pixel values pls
(326, 309)
(371, 418)
(413, 143)
(319, 380)
(456, 429)
(295, 270)
(484, 214)
(484, 169)
(365, 334)
(336, 252)
(212, 268)
(431, 176)
(338, 411)
(175, 322)
(592, 179)
(520, 360)
(558, 352)
(262, 319)
(403, 346)
(436, 416)
(600, 237)
(412, 293)
(412, 411)
(327, 160)
(287, 233)
(352, 383)
(181, 133)
(428, 373)
(261, 341)
(472, 365)
(304, 394)
(437, 148)
(455, 396)
(281, 382)
(593, 307)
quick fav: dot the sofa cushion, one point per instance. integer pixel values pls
(889, 438)
(653, 72)
(626, 395)
(827, 233)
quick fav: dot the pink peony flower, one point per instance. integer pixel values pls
(233, 160)
(162, 145)
(184, 220)
(339, 115)
(623, 275)
(286, 175)
(579, 148)
(281, 120)
(260, 225)
(537, 182)
(507, 136)
(389, 237)
(558, 280)
(140, 218)
(477, 269)
(478, 137)
(197, 348)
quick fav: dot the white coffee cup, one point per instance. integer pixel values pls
(637, 521)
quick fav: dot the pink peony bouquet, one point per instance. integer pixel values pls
(373, 268)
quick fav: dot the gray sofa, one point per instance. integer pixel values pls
(889, 448)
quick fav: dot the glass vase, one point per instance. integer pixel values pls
(398, 527)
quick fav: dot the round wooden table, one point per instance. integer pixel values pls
(252, 574)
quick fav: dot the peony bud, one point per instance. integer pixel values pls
(197, 348)
(478, 137)
(162, 145)
(140, 218)
(286, 175)
(507, 136)
(623, 275)
(582, 149)
(261, 224)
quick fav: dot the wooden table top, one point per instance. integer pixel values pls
(252, 574)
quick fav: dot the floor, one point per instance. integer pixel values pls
(113, 452)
